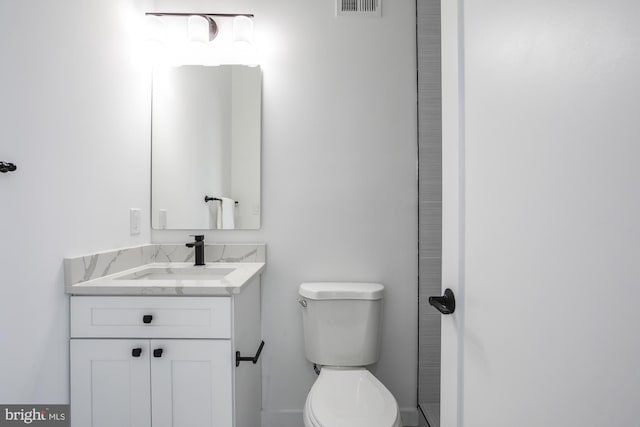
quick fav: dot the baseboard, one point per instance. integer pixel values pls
(293, 418)
(409, 416)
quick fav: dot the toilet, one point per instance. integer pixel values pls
(341, 322)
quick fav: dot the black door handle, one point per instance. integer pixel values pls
(445, 304)
(136, 352)
(157, 352)
(147, 318)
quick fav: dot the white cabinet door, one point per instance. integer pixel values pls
(191, 383)
(110, 383)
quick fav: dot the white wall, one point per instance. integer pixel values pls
(74, 118)
(339, 193)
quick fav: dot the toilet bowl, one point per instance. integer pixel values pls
(341, 323)
(350, 397)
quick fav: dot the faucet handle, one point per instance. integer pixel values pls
(198, 237)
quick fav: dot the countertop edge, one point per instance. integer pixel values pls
(106, 286)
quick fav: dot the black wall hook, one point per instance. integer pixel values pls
(7, 167)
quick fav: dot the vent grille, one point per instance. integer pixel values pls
(359, 7)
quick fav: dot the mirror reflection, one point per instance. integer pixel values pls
(205, 162)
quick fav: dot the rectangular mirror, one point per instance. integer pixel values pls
(205, 143)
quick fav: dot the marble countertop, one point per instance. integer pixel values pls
(132, 282)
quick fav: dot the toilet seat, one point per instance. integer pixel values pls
(350, 397)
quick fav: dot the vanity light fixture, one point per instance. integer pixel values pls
(199, 38)
(202, 27)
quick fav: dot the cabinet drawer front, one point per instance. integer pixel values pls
(150, 317)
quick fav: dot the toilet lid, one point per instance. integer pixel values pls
(351, 398)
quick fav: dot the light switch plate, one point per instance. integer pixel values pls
(134, 221)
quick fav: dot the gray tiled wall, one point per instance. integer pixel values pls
(430, 197)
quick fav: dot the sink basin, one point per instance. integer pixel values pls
(179, 273)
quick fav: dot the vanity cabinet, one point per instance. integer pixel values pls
(132, 382)
(165, 361)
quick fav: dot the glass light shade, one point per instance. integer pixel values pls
(198, 29)
(155, 29)
(242, 31)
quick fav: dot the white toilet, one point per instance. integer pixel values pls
(341, 324)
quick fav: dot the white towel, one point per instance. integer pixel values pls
(228, 213)
(215, 214)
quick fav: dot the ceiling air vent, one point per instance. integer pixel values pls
(359, 7)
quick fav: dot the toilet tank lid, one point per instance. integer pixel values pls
(341, 290)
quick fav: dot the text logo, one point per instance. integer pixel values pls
(35, 415)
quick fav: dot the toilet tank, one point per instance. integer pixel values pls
(341, 322)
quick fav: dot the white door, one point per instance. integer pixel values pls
(541, 212)
(110, 383)
(191, 383)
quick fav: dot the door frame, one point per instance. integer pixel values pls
(453, 191)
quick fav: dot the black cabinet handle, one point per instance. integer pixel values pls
(445, 304)
(136, 352)
(253, 359)
(157, 352)
(147, 318)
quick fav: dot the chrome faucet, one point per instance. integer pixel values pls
(198, 244)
